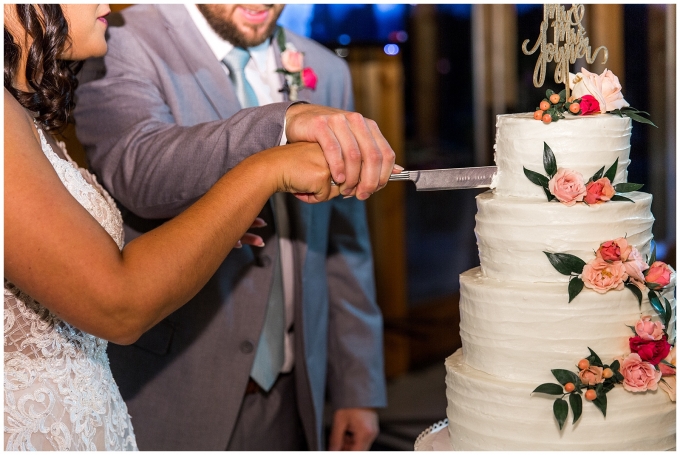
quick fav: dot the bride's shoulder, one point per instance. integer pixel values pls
(18, 123)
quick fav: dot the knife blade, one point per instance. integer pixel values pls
(447, 179)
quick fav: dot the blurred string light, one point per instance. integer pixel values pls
(344, 39)
(391, 49)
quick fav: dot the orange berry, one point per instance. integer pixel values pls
(583, 364)
(607, 373)
(554, 98)
(544, 105)
(538, 115)
(574, 108)
(547, 118)
(569, 387)
(591, 395)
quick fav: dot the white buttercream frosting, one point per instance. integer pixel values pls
(513, 233)
(490, 413)
(580, 143)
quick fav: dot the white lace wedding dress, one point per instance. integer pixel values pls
(59, 392)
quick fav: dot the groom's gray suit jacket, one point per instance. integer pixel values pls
(160, 123)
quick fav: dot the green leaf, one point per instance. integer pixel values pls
(608, 385)
(281, 39)
(549, 162)
(594, 359)
(618, 376)
(548, 194)
(597, 175)
(536, 178)
(566, 263)
(548, 93)
(576, 405)
(669, 313)
(601, 402)
(652, 258)
(639, 118)
(615, 364)
(575, 287)
(636, 291)
(617, 197)
(631, 327)
(565, 376)
(549, 388)
(560, 409)
(563, 95)
(656, 303)
(611, 172)
(627, 187)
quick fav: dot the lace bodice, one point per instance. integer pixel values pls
(59, 391)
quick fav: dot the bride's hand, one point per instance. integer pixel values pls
(252, 239)
(301, 169)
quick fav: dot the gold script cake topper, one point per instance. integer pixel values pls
(569, 43)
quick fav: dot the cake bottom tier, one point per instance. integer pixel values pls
(489, 413)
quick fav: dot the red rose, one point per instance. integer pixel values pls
(309, 78)
(652, 351)
(589, 105)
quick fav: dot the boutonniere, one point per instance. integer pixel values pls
(295, 74)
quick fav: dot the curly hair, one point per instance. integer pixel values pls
(53, 80)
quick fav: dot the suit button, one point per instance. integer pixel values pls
(263, 261)
(246, 347)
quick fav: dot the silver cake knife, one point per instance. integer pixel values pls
(448, 179)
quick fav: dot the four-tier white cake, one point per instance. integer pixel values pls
(517, 323)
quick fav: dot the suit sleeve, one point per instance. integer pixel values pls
(152, 165)
(355, 336)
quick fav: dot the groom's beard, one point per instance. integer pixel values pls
(228, 30)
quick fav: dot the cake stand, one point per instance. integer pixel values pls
(435, 438)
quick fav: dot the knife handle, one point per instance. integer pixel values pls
(402, 176)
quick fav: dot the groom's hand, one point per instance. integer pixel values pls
(353, 429)
(358, 155)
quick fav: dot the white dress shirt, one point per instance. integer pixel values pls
(262, 76)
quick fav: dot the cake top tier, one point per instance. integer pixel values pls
(580, 143)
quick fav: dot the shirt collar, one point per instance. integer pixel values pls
(219, 46)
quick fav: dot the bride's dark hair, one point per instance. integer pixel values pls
(53, 80)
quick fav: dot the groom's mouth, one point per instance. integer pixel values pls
(255, 14)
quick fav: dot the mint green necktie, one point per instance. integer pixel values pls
(236, 60)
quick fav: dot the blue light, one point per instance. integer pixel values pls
(391, 49)
(344, 39)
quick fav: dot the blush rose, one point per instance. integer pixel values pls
(292, 60)
(638, 376)
(659, 274)
(635, 267)
(649, 330)
(599, 191)
(605, 88)
(567, 186)
(602, 276)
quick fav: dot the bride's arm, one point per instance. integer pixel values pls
(58, 254)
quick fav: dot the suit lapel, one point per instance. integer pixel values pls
(195, 52)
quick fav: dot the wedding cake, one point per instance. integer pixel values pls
(567, 326)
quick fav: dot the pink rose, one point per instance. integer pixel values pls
(648, 329)
(589, 105)
(591, 375)
(638, 376)
(614, 250)
(292, 60)
(653, 351)
(602, 276)
(667, 384)
(567, 186)
(599, 191)
(309, 78)
(635, 267)
(659, 274)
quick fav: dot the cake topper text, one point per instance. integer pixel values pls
(569, 43)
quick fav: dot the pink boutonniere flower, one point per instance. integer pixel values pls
(296, 75)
